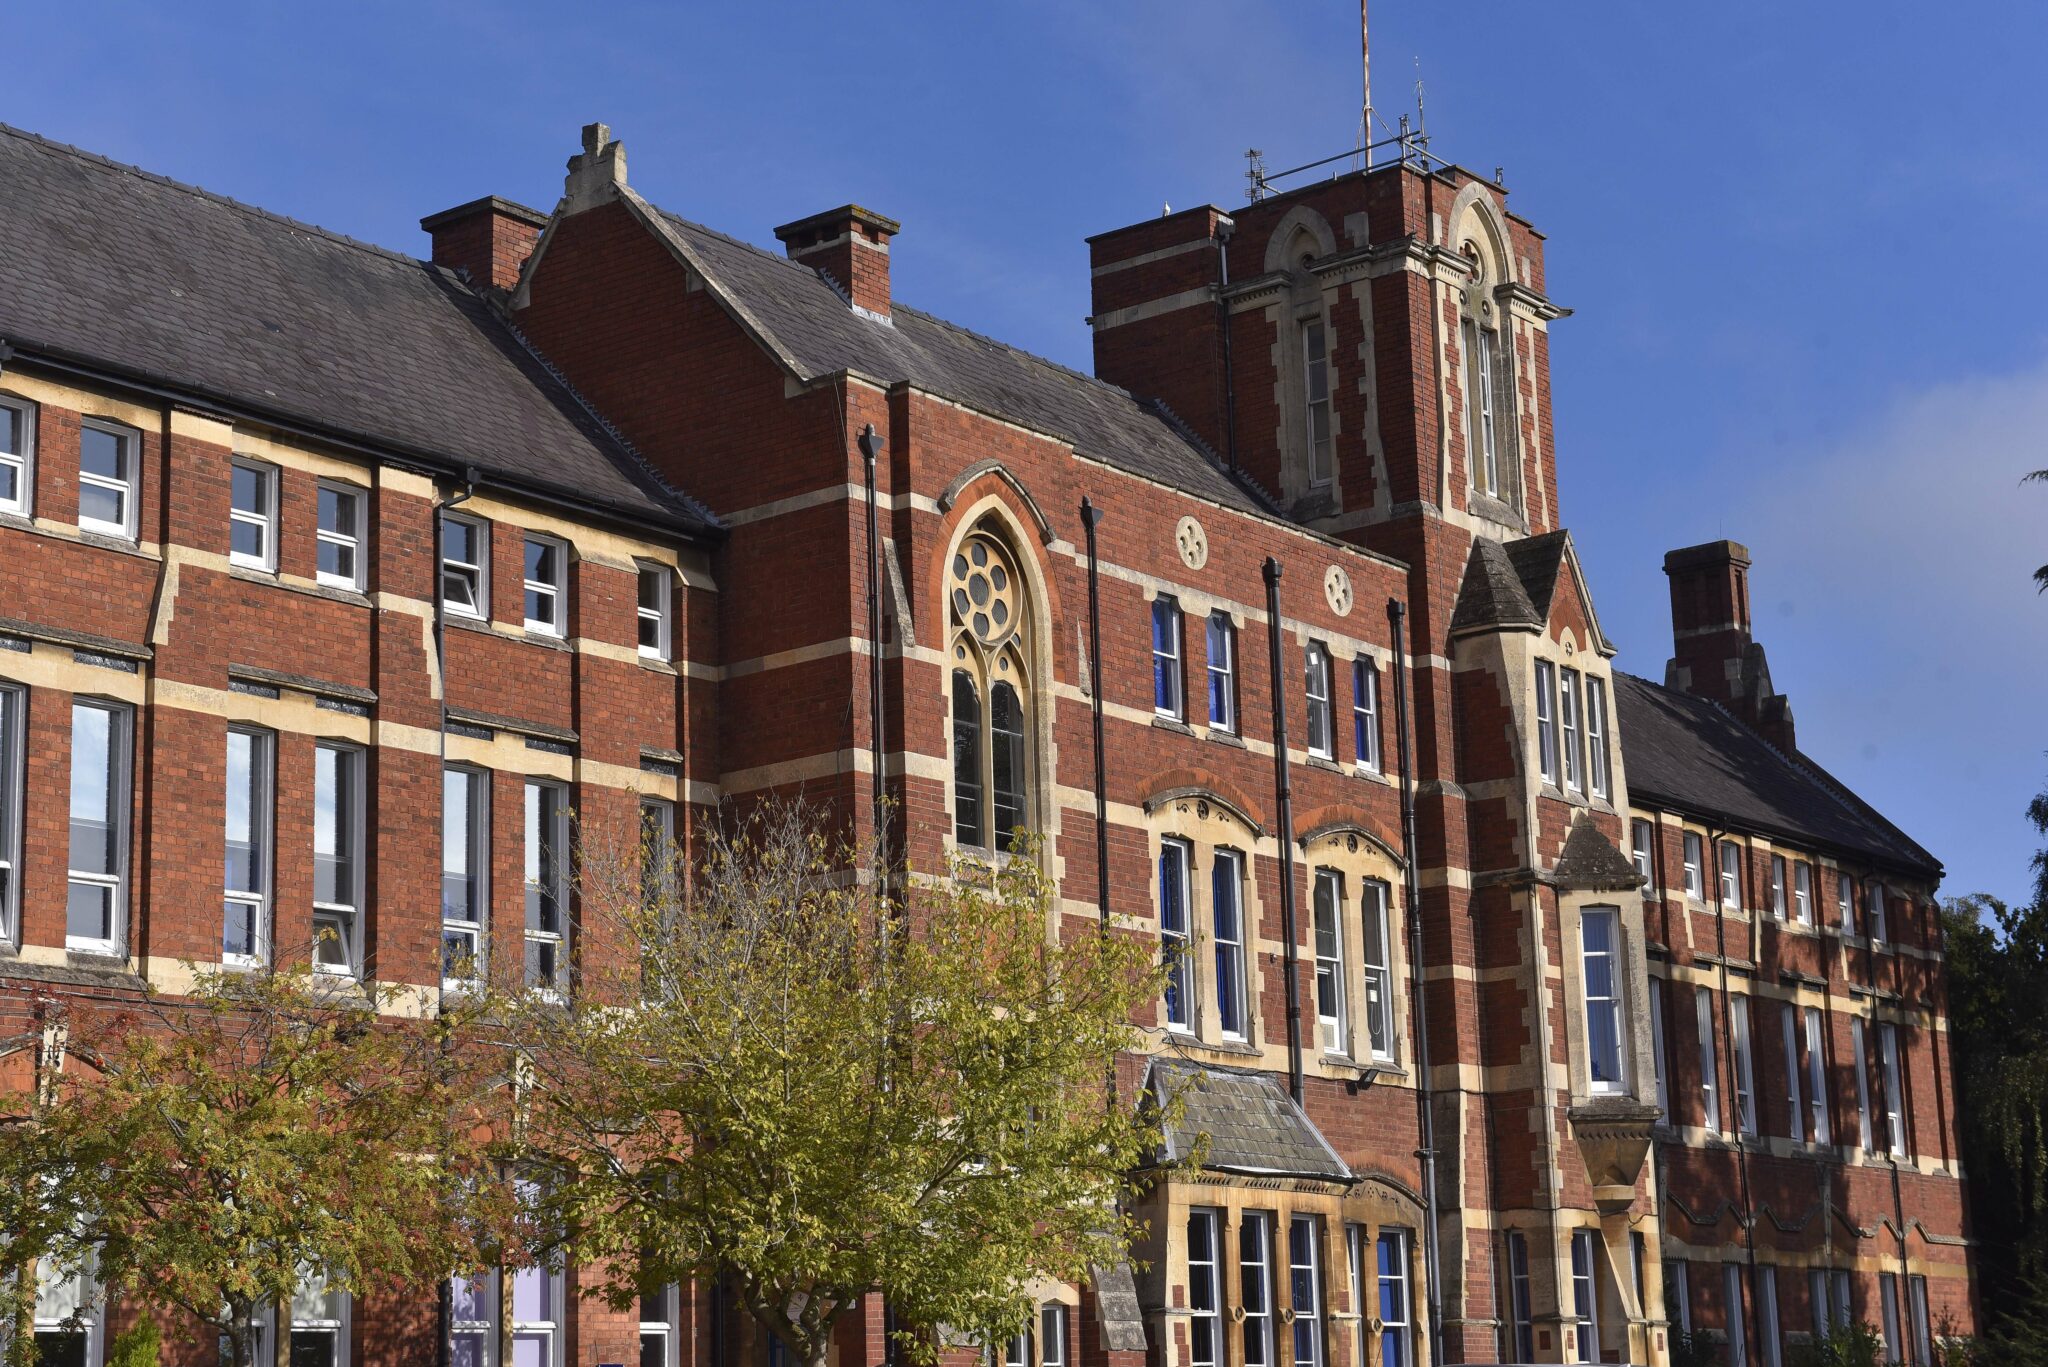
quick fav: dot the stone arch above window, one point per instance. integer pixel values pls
(1300, 229)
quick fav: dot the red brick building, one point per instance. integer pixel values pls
(319, 562)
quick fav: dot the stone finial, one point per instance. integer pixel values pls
(597, 173)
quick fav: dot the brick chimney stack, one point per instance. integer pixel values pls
(851, 245)
(1713, 654)
(489, 237)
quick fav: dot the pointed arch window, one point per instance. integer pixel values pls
(992, 754)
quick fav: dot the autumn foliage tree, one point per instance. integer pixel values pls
(210, 1152)
(809, 1091)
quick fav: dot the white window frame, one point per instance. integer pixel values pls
(23, 460)
(555, 590)
(1710, 1072)
(1401, 1326)
(1227, 871)
(1795, 1114)
(548, 1332)
(129, 487)
(476, 573)
(1860, 1052)
(1767, 1315)
(1598, 772)
(1743, 1046)
(86, 1303)
(1568, 730)
(1888, 1315)
(1481, 422)
(350, 765)
(1610, 1004)
(264, 519)
(482, 1326)
(13, 771)
(1169, 692)
(1255, 1286)
(1878, 930)
(1802, 892)
(1780, 887)
(546, 876)
(661, 613)
(663, 1327)
(118, 780)
(1205, 1289)
(1332, 989)
(1680, 1274)
(1817, 1075)
(1917, 1320)
(1176, 943)
(1642, 849)
(1365, 713)
(1728, 866)
(1894, 1093)
(1695, 866)
(1521, 1299)
(475, 838)
(1658, 1069)
(1052, 1335)
(1317, 686)
(1221, 639)
(1307, 1277)
(1377, 961)
(303, 1322)
(1738, 1323)
(1845, 903)
(253, 904)
(1585, 1295)
(1546, 721)
(352, 543)
(1318, 399)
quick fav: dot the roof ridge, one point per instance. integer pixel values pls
(896, 306)
(340, 239)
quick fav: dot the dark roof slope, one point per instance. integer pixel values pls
(1692, 754)
(119, 270)
(811, 323)
(1493, 594)
(1251, 1125)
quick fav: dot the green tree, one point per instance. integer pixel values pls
(214, 1149)
(139, 1347)
(1846, 1345)
(823, 1092)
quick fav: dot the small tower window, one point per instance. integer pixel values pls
(1315, 358)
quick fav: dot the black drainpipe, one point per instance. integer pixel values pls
(1283, 791)
(1424, 1098)
(871, 446)
(1091, 518)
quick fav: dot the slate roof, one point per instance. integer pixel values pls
(1492, 594)
(1689, 753)
(810, 323)
(130, 274)
(1253, 1126)
(1590, 860)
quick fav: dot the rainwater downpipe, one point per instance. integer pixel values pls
(871, 446)
(1283, 792)
(1425, 1105)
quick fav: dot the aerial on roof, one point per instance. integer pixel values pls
(1692, 755)
(808, 323)
(128, 274)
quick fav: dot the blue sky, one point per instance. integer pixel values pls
(1801, 240)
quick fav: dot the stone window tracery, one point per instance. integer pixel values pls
(990, 687)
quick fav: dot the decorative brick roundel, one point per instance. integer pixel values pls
(984, 590)
(1337, 589)
(1193, 543)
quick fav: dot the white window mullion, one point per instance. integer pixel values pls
(96, 908)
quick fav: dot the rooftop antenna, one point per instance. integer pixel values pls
(1365, 67)
(1254, 174)
(1421, 114)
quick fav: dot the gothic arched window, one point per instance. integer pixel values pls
(991, 683)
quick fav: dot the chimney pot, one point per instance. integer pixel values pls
(489, 237)
(849, 245)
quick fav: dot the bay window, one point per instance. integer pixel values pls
(1568, 727)
(1205, 1300)
(1305, 1288)
(1546, 725)
(1331, 1027)
(1174, 951)
(1596, 738)
(1255, 1286)
(1585, 1294)
(1227, 929)
(1602, 963)
(1379, 968)
(1397, 1320)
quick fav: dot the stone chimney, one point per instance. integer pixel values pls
(1713, 655)
(489, 237)
(850, 246)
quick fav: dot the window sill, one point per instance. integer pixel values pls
(1173, 724)
(113, 541)
(1213, 1046)
(1221, 737)
(654, 666)
(1327, 765)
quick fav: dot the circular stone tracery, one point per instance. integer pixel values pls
(983, 590)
